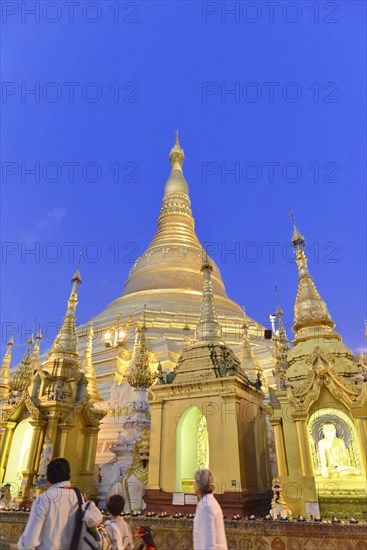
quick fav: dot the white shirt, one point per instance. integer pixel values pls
(209, 531)
(120, 534)
(52, 519)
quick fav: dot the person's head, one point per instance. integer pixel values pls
(204, 482)
(115, 505)
(58, 470)
(145, 535)
(329, 430)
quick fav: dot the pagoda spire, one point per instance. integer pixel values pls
(282, 341)
(5, 371)
(281, 338)
(66, 342)
(208, 329)
(311, 316)
(139, 374)
(89, 370)
(23, 373)
(173, 258)
(249, 362)
(34, 359)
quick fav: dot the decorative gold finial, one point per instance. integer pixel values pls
(5, 371)
(88, 368)
(279, 312)
(297, 238)
(208, 329)
(177, 155)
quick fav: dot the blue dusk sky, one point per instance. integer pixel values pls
(269, 103)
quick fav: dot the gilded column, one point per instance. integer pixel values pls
(64, 430)
(31, 470)
(304, 448)
(90, 445)
(361, 424)
(280, 447)
(52, 425)
(155, 445)
(5, 446)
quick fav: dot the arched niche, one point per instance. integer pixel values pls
(192, 448)
(19, 451)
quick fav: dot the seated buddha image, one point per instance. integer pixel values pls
(334, 456)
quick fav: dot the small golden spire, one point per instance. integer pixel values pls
(297, 238)
(66, 342)
(23, 373)
(281, 340)
(311, 317)
(139, 374)
(34, 360)
(208, 329)
(249, 362)
(89, 370)
(5, 371)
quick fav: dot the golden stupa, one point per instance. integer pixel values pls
(166, 283)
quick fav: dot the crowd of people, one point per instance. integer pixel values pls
(54, 523)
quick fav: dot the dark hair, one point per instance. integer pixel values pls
(58, 470)
(115, 505)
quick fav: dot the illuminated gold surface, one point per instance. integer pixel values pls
(167, 278)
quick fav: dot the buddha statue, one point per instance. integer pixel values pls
(334, 456)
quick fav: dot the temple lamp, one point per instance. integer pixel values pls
(115, 337)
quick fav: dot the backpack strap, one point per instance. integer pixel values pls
(78, 521)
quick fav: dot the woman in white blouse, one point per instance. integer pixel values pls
(209, 531)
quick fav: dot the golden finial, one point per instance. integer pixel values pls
(297, 238)
(279, 311)
(77, 279)
(177, 155)
(208, 328)
(5, 371)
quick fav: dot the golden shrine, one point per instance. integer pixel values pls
(173, 376)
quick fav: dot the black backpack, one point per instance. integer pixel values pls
(84, 537)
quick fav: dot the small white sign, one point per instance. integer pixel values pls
(178, 499)
(191, 499)
(312, 509)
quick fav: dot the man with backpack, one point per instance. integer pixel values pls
(51, 522)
